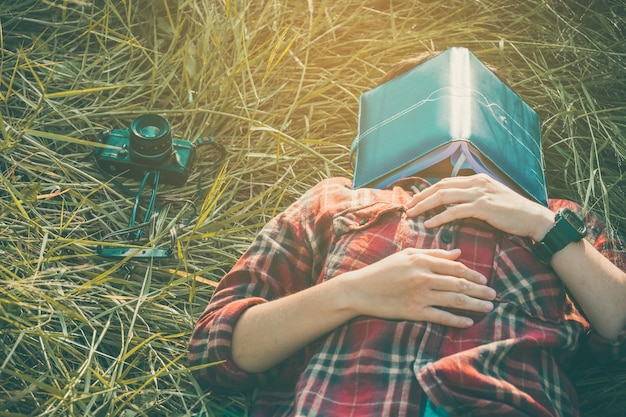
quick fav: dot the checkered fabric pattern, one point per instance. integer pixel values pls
(509, 363)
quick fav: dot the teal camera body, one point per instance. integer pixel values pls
(146, 145)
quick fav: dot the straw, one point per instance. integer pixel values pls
(275, 83)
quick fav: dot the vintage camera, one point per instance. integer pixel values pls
(146, 145)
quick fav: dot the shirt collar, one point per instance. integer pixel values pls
(410, 184)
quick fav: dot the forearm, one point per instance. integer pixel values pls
(596, 284)
(268, 333)
(407, 285)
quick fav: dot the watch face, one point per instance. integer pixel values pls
(575, 221)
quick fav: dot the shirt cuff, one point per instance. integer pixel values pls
(604, 350)
(212, 344)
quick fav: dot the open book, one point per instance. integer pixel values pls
(448, 114)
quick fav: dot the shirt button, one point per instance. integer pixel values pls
(446, 235)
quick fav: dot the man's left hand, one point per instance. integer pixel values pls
(482, 197)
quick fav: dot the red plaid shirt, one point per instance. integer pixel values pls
(508, 363)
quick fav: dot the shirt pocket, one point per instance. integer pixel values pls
(364, 235)
(362, 218)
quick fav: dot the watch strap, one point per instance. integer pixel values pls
(568, 227)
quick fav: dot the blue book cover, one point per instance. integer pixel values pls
(445, 115)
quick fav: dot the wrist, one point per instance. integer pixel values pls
(542, 225)
(343, 294)
(568, 227)
(349, 299)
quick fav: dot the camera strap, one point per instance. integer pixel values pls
(155, 185)
(134, 230)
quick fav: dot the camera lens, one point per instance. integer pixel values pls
(150, 139)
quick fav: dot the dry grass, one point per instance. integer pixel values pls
(276, 83)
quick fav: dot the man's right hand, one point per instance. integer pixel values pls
(408, 285)
(414, 284)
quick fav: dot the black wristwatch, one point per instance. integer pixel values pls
(568, 227)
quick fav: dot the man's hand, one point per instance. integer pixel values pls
(408, 285)
(411, 284)
(483, 198)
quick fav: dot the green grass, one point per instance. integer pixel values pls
(277, 84)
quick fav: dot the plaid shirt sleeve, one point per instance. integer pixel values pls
(611, 246)
(283, 259)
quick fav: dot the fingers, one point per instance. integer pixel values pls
(449, 308)
(452, 285)
(451, 291)
(446, 191)
(445, 264)
(438, 316)
(433, 197)
(452, 213)
(456, 285)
